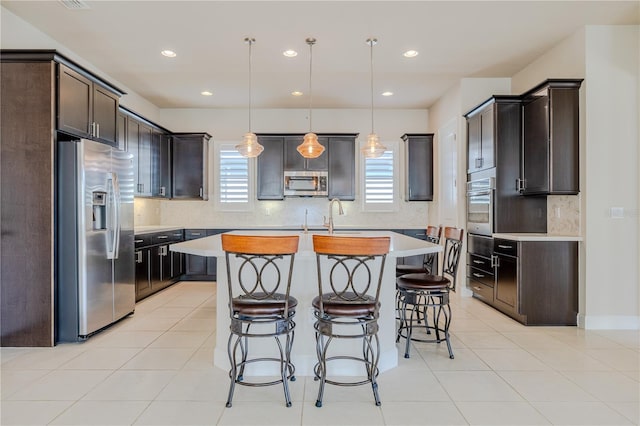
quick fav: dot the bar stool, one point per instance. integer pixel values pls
(418, 292)
(259, 270)
(347, 306)
(429, 261)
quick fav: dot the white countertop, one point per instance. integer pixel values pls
(146, 229)
(401, 245)
(537, 237)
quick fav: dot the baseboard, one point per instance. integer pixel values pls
(609, 322)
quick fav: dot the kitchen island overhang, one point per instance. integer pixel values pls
(304, 287)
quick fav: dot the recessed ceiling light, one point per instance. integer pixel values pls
(206, 93)
(410, 54)
(387, 93)
(297, 93)
(290, 53)
(168, 53)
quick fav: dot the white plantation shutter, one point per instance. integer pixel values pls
(378, 187)
(234, 177)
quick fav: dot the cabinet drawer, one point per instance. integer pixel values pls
(416, 233)
(506, 247)
(480, 275)
(176, 235)
(161, 238)
(142, 240)
(478, 244)
(194, 234)
(479, 262)
(482, 291)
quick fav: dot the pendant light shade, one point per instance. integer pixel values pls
(372, 148)
(249, 147)
(310, 147)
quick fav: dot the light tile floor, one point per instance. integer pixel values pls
(155, 368)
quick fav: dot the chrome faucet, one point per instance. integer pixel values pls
(340, 211)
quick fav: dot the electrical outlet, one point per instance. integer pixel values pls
(617, 212)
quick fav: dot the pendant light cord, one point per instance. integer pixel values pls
(250, 41)
(371, 42)
(310, 41)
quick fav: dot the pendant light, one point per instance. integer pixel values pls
(310, 147)
(249, 146)
(372, 148)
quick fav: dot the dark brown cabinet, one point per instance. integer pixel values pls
(280, 154)
(190, 164)
(85, 108)
(156, 266)
(161, 171)
(293, 161)
(481, 144)
(550, 139)
(270, 180)
(536, 282)
(200, 268)
(342, 167)
(419, 167)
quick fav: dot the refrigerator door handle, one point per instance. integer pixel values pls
(114, 225)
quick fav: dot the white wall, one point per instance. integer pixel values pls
(607, 58)
(228, 126)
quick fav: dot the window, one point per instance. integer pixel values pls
(233, 179)
(380, 182)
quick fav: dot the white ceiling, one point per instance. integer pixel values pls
(455, 40)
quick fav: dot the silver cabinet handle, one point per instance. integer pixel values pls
(495, 261)
(201, 192)
(139, 256)
(477, 288)
(177, 235)
(502, 246)
(162, 191)
(162, 237)
(475, 274)
(98, 130)
(479, 262)
(196, 233)
(138, 241)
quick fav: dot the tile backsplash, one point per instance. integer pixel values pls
(563, 214)
(146, 212)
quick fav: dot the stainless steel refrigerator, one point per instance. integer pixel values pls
(95, 281)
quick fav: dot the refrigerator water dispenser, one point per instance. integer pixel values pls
(99, 204)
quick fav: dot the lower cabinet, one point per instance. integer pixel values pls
(415, 233)
(534, 282)
(200, 268)
(156, 266)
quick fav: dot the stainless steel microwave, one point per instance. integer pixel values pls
(305, 183)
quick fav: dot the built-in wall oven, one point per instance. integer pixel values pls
(480, 199)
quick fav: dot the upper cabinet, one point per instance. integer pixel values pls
(280, 154)
(161, 177)
(550, 139)
(293, 161)
(190, 165)
(342, 167)
(86, 108)
(419, 167)
(270, 181)
(481, 144)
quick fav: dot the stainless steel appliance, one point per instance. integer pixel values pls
(95, 272)
(305, 183)
(480, 199)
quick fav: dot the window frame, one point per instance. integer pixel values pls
(251, 167)
(393, 206)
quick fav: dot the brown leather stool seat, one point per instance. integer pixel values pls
(339, 307)
(275, 305)
(422, 281)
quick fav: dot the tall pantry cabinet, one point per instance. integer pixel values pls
(29, 116)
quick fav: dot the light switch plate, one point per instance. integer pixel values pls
(617, 212)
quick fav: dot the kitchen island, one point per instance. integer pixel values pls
(304, 287)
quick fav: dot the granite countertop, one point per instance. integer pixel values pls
(537, 237)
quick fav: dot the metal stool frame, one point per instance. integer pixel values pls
(419, 292)
(344, 302)
(267, 262)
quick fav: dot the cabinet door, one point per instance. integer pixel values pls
(342, 168)
(75, 93)
(189, 179)
(133, 141)
(474, 140)
(506, 284)
(293, 161)
(122, 132)
(105, 113)
(177, 264)
(145, 160)
(270, 182)
(535, 146)
(156, 267)
(419, 157)
(322, 162)
(143, 273)
(487, 143)
(161, 169)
